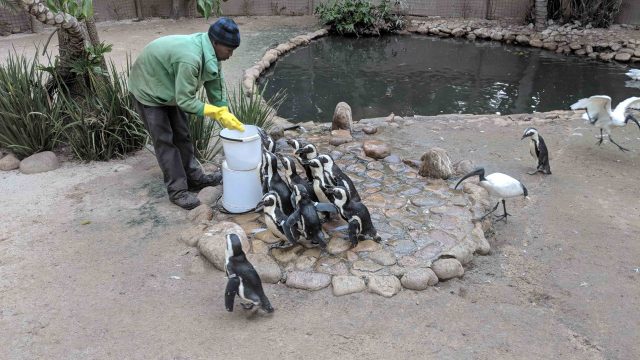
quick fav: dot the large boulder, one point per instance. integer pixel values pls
(436, 164)
(308, 280)
(40, 162)
(212, 243)
(9, 162)
(343, 285)
(342, 119)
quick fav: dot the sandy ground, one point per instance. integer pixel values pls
(89, 258)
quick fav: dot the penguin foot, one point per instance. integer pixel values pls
(247, 306)
(377, 238)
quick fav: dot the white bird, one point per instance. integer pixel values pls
(598, 113)
(498, 185)
(634, 74)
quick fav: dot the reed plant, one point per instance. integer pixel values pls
(252, 108)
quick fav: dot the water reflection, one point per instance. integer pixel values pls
(411, 75)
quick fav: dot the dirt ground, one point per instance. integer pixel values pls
(90, 265)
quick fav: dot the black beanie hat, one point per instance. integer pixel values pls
(225, 31)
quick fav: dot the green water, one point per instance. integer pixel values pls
(416, 75)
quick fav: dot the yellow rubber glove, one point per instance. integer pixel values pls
(223, 116)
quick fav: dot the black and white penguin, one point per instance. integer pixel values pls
(355, 214)
(273, 182)
(267, 141)
(274, 218)
(243, 280)
(291, 175)
(538, 150)
(498, 185)
(336, 177)
(306, 215)
(320, 181)
(304, 154)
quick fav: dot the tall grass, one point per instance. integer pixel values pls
(253, 109)
(204, 136)
(29, 119)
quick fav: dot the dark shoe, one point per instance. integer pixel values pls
(185, 200)
(214, 179)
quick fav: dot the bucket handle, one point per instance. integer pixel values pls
(250, 138)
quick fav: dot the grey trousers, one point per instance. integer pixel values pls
(169, 132)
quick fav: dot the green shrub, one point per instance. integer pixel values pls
(253, 109)
(103, 125)
(600, 13)
(360, 17)
(29, 119)
(204, 136)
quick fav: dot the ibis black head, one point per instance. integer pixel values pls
(234, 246)
(477, 172)
(529, 132)
(630, 117)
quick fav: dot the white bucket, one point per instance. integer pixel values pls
(242, 150)
(241, 189)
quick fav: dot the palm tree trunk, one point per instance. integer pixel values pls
(541, 14)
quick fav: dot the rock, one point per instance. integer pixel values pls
(338, 245)
(575, 46)
(305, 263)
(522, 39)
(447, 268)
(308, 280)
(367, 245)
(40, 162)
(267, 268)
(342, 119)
(376, 149)
(332, 266)
(267, 237)
(213, 243)
(436, 164)
(386, 286)
(536, 43)
(339, 137)
(9, 162)
(191, 236)
(366, 265)
(458, 32)
(383, 257)
(419, 279)
(550, 45)
(202, 213)
(344, 285)
(416, 164)
(463, 251)
(210, 195)
(606, 56)
(482, 245)
(623, 57)
(463, 167)
(471, 36)
(288, 254)
(370, 130)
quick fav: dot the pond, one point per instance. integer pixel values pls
(418, 75)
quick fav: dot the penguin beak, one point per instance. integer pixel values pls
(475, 172)
(259, 206)
(523, 136)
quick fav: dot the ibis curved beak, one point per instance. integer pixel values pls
(629, 117)
(476, 172)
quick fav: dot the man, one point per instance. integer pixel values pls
(164, 82)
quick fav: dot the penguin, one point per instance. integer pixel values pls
(273, 182)
(320, 182)
(355, 213)
(538, 150)
(291, 176)
(243, 280)
(336, 177)
(274, 218)
(304, 154)
(499, 185)
(267, 141)
(306, 216)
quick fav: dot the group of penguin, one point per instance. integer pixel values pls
(294, 208)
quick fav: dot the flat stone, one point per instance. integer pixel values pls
(375, 174)
(536, 43)
(370, 130)
(397, 271)
(419, 279)
(351, 256)
(447, 268)
(246, 218)
(623, 57)
(344, 285)
(308, 280)
(305, 263)
(213, 243)
(383, 257)
(375, 165)
(38, 163)
(332, 266)
(404, 247)
(210, 195)
(338, 245)
(367, 245)
(314, 252)
(9, 162)
(259, 247)
(386, 286)
(376, 149)
(366, 265)
(425, 201)
(202, 213)
(393, 159)
(288, 254)
(266, 267)
(339, 137)
(429, 252)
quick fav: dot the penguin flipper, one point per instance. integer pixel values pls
(231, 292)
(289, 227)
(353, 232)
(325, 207)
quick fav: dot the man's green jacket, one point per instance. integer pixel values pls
(171, 69)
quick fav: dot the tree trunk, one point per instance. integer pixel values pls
(138, 9)
(541, 14)
(175, 9)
